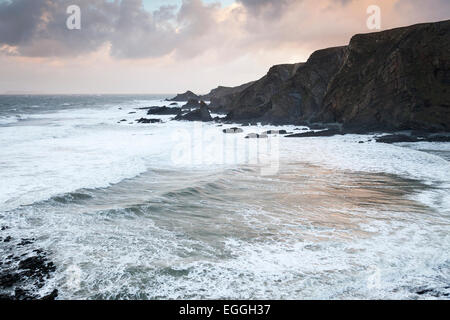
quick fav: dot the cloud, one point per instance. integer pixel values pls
(37, 28)
(18, 20)
(266, 8)
(138, 33)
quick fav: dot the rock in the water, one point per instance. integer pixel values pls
(325, 133)
(256, 136)
(24, 272)
(52, 296)
(233, 130)
(276, 132)
(192, 104)
(7, 280)
(163, 111)
(201, 114)
(394, 138)
(438, 139)
(144, 120)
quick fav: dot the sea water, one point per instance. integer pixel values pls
(124, 214)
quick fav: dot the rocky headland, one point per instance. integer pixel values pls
(388, 81)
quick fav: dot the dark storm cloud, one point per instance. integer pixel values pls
(38, 27)
(18, 20)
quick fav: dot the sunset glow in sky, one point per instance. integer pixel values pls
(167, 46)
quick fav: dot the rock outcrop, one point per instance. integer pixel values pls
(24, 269)
(185, 96)
(254, 102)
(256, 136)
(221, 97)
(163, 111)
(192, 104)
(201, 114)
(323, 133)
(146, 121)
(233, 130)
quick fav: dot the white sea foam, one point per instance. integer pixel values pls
(4, 120)
(68, 150)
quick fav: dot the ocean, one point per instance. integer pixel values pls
(180, 210)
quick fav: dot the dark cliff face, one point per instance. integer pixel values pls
(385, 81)
(254, 101)
(301, 96)
(289, 93)
(393, 80)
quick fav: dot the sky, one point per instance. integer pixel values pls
(170, 46)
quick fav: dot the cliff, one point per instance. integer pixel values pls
(254, 102)
(385, 81)
(393, 80)
(301, 97)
